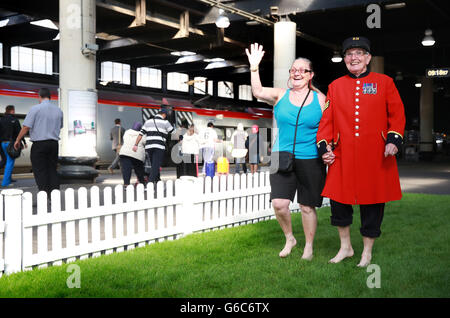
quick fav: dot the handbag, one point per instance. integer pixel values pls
(13, 152)
(239, 153)
(285, 159)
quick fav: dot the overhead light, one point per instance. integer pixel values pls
(428, 40)
(46, 23)
(418, 85)
(188, 59)
(213, 65)
(397, 5)
(222, 20)
(216, 59)
(337, 58)
(183, 53)
(4, 23)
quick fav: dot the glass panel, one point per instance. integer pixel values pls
(15, 58)
(176, 81)
(106, 70)
(225, 89)
(155, 78)
(49, 63)
(126, 74)
(117, 72)
(25, 59)
(211, 87)
(38, 61)
(245, 92)
(200, 85)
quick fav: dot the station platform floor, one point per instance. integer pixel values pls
(415, 177)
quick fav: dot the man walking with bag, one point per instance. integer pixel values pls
(44, 122)
(9, 129)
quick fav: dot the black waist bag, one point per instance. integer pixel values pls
(285, 159)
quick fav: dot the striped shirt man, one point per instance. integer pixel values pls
(156, 131)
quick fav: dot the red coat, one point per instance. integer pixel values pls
(362, 112)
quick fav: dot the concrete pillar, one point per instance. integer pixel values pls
(426, 117)
(77, 78)
(284, 36)
(377, 64)
(284, 41)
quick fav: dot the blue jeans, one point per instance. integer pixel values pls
(208, 156)
(8, 167)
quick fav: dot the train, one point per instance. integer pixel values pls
(140, 106)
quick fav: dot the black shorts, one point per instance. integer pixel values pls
(308, 179)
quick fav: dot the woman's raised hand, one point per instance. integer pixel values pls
(255, 54)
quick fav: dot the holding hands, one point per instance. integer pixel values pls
(329, 156)
(255, 55)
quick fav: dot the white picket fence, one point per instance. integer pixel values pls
(88, 226)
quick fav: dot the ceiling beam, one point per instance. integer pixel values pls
(257, 18)
(126, 10)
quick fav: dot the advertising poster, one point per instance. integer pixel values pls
(82, 123)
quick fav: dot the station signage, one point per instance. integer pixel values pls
(437, 72)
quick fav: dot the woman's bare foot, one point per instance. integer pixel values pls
(365, 260)
(290, 243)
(343, 253)
(308, 252)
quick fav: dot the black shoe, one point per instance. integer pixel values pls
(13, 180)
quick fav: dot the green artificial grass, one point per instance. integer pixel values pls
(413, 254)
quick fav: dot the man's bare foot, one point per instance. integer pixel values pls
(342, 254)
(365, 260)
(308, 252)
(290, 243)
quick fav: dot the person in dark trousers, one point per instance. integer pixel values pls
(252, 144)
(9, 130)
(156, 131)
(180, 135)
(130, 159)
(116, 135)
(359, 135)
(308, 176)
(44, 122)
(2, 158)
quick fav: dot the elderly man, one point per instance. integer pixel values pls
(360, 132)
(44, 122)
(156, 130)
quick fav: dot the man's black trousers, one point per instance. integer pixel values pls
(44, 161)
